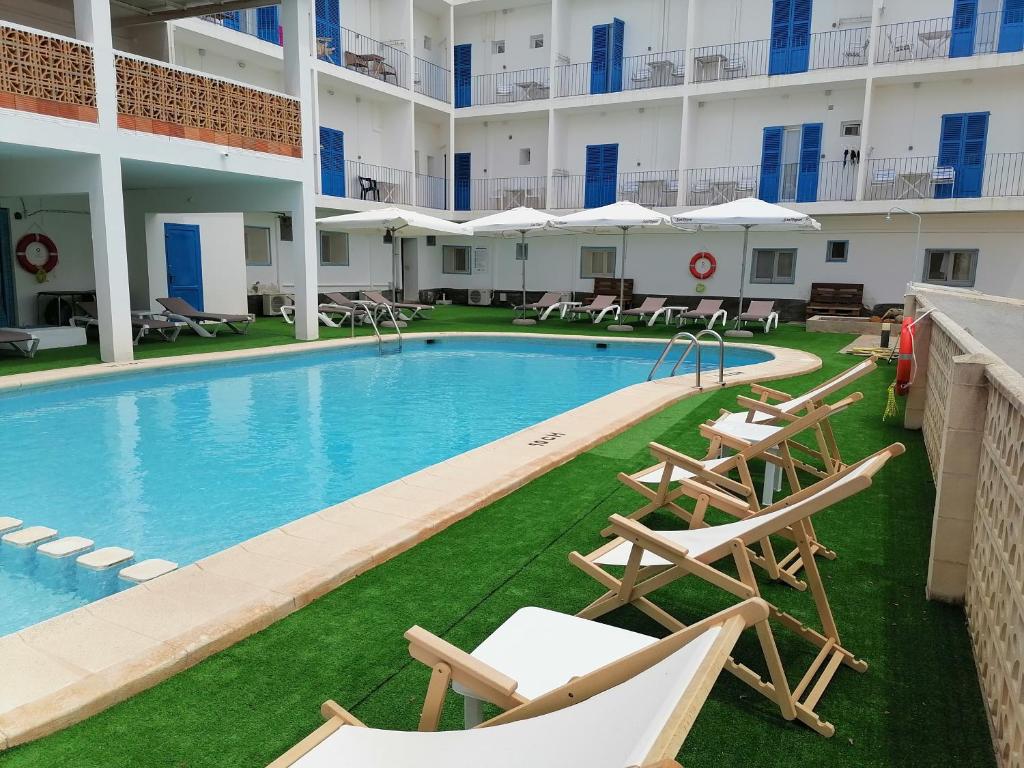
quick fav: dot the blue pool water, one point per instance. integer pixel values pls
(182, 463)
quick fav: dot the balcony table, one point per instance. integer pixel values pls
(914, 185)
(388, 189)
(710, 66)
(532, 90)
(661, 72)
(934, 40)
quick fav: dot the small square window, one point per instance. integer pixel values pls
(951, 267)
(334, 249)
(456, 260)
(427, 43)
(536, 41)
(524, 156)
(849, 129)
(597, 262)
(257, 246)
(837, 251)
(498, 46)
(773, 265)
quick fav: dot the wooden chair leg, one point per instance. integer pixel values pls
(433, 703)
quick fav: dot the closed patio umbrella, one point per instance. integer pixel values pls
(517, 222)
(746, 214)
(609, 219)
(390, 222)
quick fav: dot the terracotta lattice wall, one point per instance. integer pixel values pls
(159, 99)
(46, 75)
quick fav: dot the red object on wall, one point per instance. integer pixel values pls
(708, 270)
(21, 252)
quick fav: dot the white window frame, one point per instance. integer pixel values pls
(498, 47)
(775, 279)
(948, 253)
(849, 123)
(608, 253)
(327, 257)
(527, 153)
(252, 230)
(534, 39)
(828, 252)
(449, 254)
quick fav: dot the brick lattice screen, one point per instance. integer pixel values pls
(46, 75)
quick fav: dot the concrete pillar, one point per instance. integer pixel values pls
(957, 478)
(297, 26)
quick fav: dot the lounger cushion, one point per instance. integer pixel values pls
(14, 337)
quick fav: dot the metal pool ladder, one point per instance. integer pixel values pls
(371, 309)
(694, 342)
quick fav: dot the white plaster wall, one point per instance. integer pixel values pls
(377, 131)
(897, 11)
(648, 140)
(431, 141)
(737, 21)
(495, 155)
(651, 26)
(434, 26)
(223, 258)
(261, 71)
(514, 26)
(384, 20)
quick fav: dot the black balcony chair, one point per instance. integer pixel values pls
(368, 189)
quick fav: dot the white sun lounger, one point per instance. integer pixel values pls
(598, 308)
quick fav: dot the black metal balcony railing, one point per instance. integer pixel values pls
(367, 181)
(431, 191)
(431, 80)
(508, 87)
(825, 50)
(505, 193)
(658, 189)
(836, 180)
(367, 56)
(937, 38)
(710, 186)
(910, 178)
(649, 70)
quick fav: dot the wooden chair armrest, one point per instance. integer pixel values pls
(768, 392)
(331, 709)
(468, 671)
(763, 407)
(638, 533)
(690, 464)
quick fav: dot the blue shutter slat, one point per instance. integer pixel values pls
(965, 20)
(601, 175)
(810, 160)
(951, 142)
(771, 164)
(782, 15)
(611, 172)
(1011, 27)
(600, 39)
(970, 175)
(618, 49)
(463, 169)
(268, 25)
(332, 161)
(800, 37)
(463, 75)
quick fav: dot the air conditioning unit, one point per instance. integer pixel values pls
(272, 303)
(480, 297)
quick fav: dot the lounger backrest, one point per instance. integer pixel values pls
(549, 298)
(602, 301)
(652, 304)
(829, 387)
(709, 306)
(376, 296)
(339, 298)
(760, 308)
(177, 306)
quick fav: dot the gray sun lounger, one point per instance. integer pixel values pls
(379, 298)
(140, 325)
(543, 306)
(333, 313)
(20, 341)
(653, 306)
(600, 306)
(708, 310)
(180, 310)
(759, 312)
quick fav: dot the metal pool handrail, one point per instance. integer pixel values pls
(694, 342)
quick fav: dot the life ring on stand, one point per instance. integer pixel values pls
(703, 265)
(905, 365)
(34, 245)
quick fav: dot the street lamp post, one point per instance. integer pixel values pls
(915, 275)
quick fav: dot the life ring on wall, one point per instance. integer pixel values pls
(32, 245)
(703, 265)
(905, 365)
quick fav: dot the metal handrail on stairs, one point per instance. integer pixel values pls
(694, 342)
(370, 310)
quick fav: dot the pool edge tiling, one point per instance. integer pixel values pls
(74, 665)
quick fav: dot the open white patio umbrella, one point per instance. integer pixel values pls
(747, 213)
(518, 222)
(609, 219)
(392, 223)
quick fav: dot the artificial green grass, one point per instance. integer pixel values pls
(917, 705)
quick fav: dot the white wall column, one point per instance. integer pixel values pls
(106, 197)
(865, 140)
(299, 78)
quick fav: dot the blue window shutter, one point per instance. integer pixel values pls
(464, 75)
(971, 173)
(618, 48)
(951, 143)
(600, 45)
(332, 162)
(233, 19)
(965, 22)
(800, 37)
(782, 16)
(463, 170)
(268, 25)
(771, 164)
(601, 175)
(810, 160)
(1011, 28)
(328, 27)
(611, 171)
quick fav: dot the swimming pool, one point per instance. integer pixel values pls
(184, 462)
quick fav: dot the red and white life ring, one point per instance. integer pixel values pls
(703, 265)
(905, 365)
(33, 246)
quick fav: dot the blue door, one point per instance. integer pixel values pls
(962, 141)
(463, 170)
(810, 159)
(800, 36)
(965, 22)
(332, 162)
(232, 19)
(7, 314)
(328, 28)
(602, 170)
(600, 50)
(771, 164)
(1011, 28)
(790, 45)
(268, 24)
(184, 263)
(464, 75)
(778, 57)
(617, 52)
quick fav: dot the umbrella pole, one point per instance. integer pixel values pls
(743, 276)
(617, 325)
(522, 250)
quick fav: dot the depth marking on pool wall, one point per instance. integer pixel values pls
(545, 439)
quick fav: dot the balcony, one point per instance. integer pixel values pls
(792, 184)
(658, 189)
(366, 181)
(507, 88)
(942, 38)
(46, 74)
(431, 191)
(154, 97)
(507, 193)
(650, 70)
(362, 54)
(263, 23)
(824, 50)
(917, 178)
(431, 80)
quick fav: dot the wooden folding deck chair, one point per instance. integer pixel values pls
(654, 559)
(635, 711)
